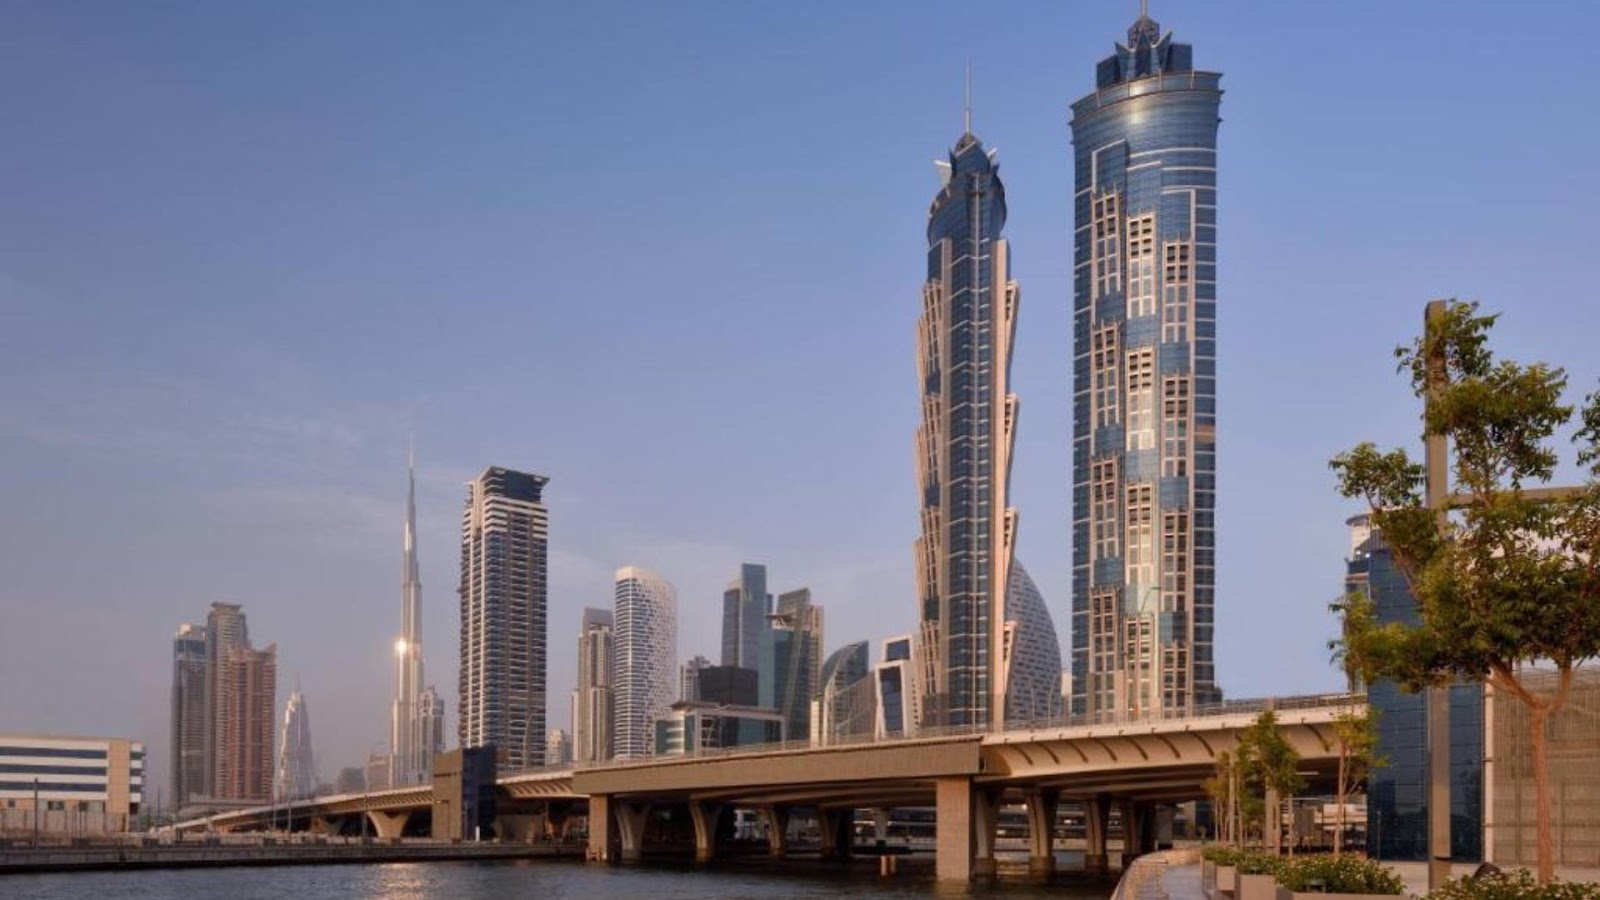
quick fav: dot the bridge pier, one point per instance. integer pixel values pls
(632, 816)
(705, 816)
(964, 827)
(838, 832)
(1096, 815)
(1042, 805)
(777, 819)
(389, 825)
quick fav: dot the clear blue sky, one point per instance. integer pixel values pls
(670, 255)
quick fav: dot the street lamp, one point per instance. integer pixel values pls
(36, 812)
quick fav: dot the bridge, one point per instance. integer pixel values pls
(1135, 764)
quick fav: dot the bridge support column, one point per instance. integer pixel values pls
(1138, 830)
(838, 832)
(601, 834)
(705, 817)
(777, 819)
(1096, 816)
(321, 825)
(985, 827)
(880, 826)
(632, 817)
(388, 825)
(1042, 804)
(965, 828)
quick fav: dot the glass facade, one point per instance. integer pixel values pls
(1033, 684)
(1397, 803)
(964, 443)
(1144, 373)
(645, 653)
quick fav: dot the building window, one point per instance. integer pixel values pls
(1175, 426)
(1103, 477)
(1139, 548)
(1141, 398)
(1175, 560)
(1107, 237)
(1177, 281)
(1103, 642)
(1104, 355)
(1141, 266)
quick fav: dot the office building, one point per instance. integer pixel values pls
(895, 684)
(846, 704)
(689, 679)
(226, 629)
(964, 442)
(728, 686)
(1033, 653)
(297, 774)
(593, 702)
(412, 740)
(796, 659)
(1144, 382)
(558, 748)
(247, 701)
(351, 780)
(430, 717)
(82, 786)
(1397, 792)
(504, 603)
(645, 662)
(189, 767)
(376, 772)
(688, 728)
(746, 632)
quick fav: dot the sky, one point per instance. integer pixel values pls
(670, 256)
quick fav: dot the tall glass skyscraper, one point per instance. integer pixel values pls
(969, 419)
(1144, 374)
(644, 660)
(190, 677)
(504, 603)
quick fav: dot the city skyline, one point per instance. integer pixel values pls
(339, 572)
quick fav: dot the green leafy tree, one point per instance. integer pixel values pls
(1510, 575)
(1355, 738)
(1268, 763)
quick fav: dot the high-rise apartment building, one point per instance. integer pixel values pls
(689, 679)
(796, 659)
(964, 443)
(1144, 382)
(430, 714)
(297, 774)
(189, 768)
(746, 633)
(593, 707)
(896, 683)
(247, 694)
(226, 630)
(504, 601)
(646, 652)
(558, 748)
(413, 738)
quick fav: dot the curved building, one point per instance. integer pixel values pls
(297, 777)
(969, 418)
(1145, 386)
(645, 652)
(846, 700)
(1033, 657)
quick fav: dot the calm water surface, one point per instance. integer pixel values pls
(535, 879)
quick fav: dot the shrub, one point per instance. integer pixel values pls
(1517, 884)
(1339, 875)
(1220, 854)
(1259, 862)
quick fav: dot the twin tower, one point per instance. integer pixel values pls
(1144, 415)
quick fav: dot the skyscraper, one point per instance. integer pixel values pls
(796, 659)
(593, 702)
(226, 630)
(189, 722)
(895, 685)
(247, 696)
(558, 748)
(646, 651)
(846, 703)
(746, 633)
(1144, 401)
(297, 774)
(1033, 653)
(411, 746)
(430, 715)
(504, 555)
(689, 679)
(969, 419)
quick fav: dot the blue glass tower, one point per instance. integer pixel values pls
(1144, 381)
(969, 418)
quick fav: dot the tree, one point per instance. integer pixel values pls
(1267, 763)
(1355, 737)
(1504, 574)
(1222, 788)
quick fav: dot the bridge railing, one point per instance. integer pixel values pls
(1252, 706)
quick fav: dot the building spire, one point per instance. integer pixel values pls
(967, 108)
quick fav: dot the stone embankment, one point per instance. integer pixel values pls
(16, 859)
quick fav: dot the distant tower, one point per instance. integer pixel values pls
(558, 748)
(846, 705)
(1033, 653)
(646, 652)
(746, 633)
(247, 697)
(189, 723)
(593, 707)
(689, 679)
(430, 714)
(226, 630)
(796, 659)
(964, 444)
(410, 748)
(297, 776)
(504, 564)
(1145, 383)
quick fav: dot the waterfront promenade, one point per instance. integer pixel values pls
(112, 856)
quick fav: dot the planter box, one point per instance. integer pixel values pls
(1227, 879)
(1257, 887)
(1286, 894)
(1208, 878)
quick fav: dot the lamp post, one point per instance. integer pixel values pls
(36, 812)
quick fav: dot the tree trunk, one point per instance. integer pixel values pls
(1541, 789)
(1338, 813)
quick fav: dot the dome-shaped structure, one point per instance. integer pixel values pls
(1033, 684)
